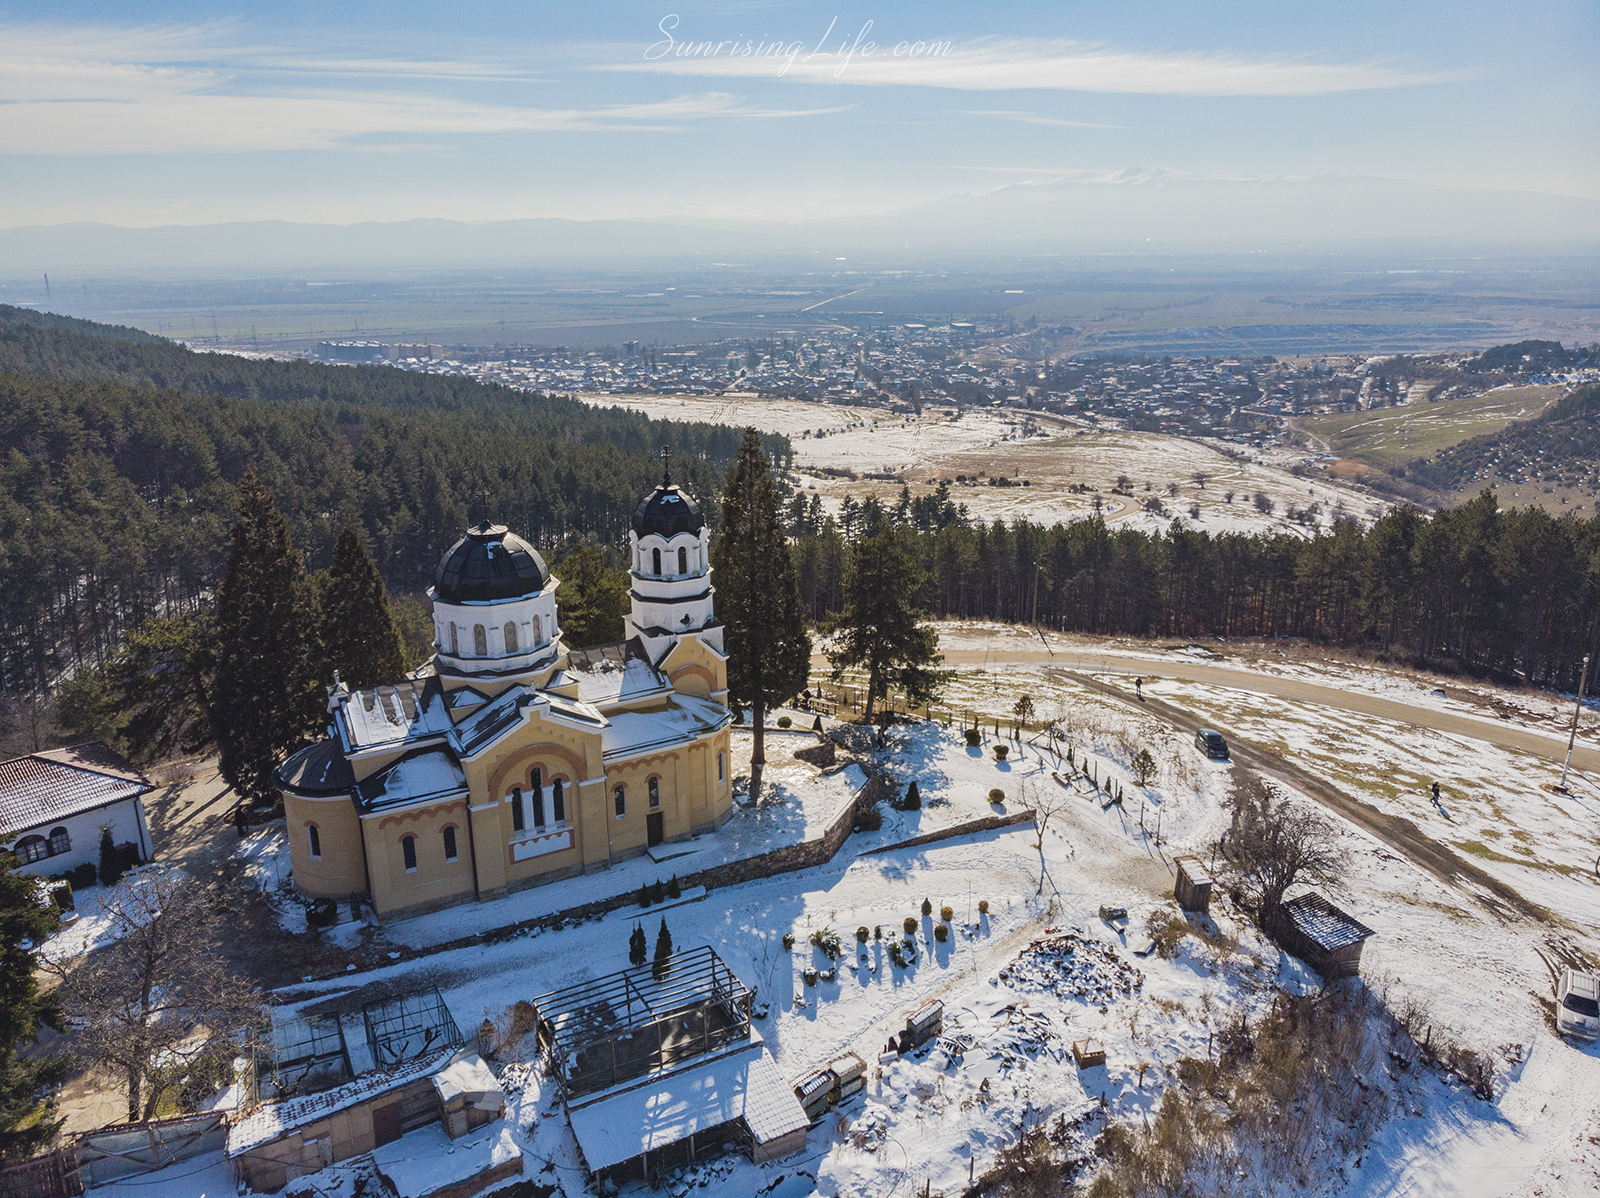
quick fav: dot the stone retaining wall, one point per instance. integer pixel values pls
(986, 824)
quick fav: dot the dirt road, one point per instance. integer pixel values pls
(1495, 732)
(1397, 832)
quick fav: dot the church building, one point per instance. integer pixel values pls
(509, 759)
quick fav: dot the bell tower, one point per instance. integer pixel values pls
(671, 593)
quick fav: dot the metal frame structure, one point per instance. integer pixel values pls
(304, 1047)
(408, 1025)
(624, 1025)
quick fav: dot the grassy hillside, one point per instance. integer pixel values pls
(1395, 436)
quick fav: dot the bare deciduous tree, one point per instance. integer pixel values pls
(161, 997)
(1275, 844)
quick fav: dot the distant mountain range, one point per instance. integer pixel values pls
(1136, 210)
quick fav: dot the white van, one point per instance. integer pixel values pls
(1578, 1004)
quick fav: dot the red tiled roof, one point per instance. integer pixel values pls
(44, 787)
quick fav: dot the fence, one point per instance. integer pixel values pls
(53, 1176)
(129, 1148)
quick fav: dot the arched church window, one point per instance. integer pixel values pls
(455, 643)
(538, 808)
(449, 844)
(480, 640)
(538, 631)
(315, 838)
(558, 801)
(619, 798)
(655, 794)
(408, 849)
(683, 560)
(511, 636)
(518, 820)
(655, 562)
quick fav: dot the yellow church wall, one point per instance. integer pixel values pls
(694, 669)
(436, 881)
(340, 872)
(558, 753)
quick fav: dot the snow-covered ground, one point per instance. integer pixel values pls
(95, 927)
(1546, 712)
(1012, 1011)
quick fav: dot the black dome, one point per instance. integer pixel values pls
(666, 512)
(489, 563)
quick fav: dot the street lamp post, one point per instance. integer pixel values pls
(1572, 736)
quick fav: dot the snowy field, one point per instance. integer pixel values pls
(1053, 454)
(1540, 711)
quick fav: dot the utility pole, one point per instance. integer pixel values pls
(1572, 736)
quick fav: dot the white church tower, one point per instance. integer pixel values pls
(671, 595)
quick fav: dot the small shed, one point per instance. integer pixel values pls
(1193, 887)
(1324, 937)
(469, 1096)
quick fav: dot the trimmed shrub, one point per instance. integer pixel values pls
(941, 932)
(862, 934)
(911, 925)
(61, 896)
(810, 975)
(911, 800)
(644, 895)
(997, 795)
(927, 907)
(947, 913)
(868, 817)
(785, 722)
(324, 912)
(898, 954)
(877, 932)
(1001, 752)
(983, 906)
(638, 948)
(82, 876)
(974, 737)
(788, 940)
(816, 724)
(658, 892)
(674, 889)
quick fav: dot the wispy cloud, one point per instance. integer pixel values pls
(1009, 64)
(197, 90)
(1034, 118)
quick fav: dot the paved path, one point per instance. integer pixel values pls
(1496, 732)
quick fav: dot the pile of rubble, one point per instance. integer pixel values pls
(1070, 967)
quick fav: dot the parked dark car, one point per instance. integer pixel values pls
(1210, 742)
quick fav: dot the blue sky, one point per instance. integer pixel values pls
(146, 113)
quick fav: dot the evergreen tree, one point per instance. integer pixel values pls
(264, 699)
(663, 948)
(758, 596)
(360, 637)
(636, 945)
(880, 630)
(26, 1084)
(594, 599)
(110, 859)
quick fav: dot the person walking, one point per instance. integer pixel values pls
(1436, 793)
(1138, 689)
